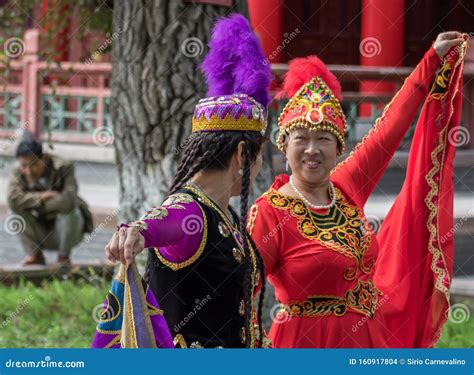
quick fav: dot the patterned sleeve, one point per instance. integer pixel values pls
(177, 228)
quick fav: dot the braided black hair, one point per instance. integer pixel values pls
(244, 195)
(213, 151)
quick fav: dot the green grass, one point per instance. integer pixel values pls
(60, 314)
(458, 335)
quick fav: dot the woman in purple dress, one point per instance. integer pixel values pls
(203, 267)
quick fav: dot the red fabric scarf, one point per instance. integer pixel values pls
(422, 218)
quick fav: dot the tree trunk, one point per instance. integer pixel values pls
(155, 86)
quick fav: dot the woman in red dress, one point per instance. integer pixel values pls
(338, 284)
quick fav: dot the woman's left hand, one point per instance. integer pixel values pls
(445, 41)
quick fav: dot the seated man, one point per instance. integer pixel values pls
(43, 191)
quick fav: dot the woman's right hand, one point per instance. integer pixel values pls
(125, 245)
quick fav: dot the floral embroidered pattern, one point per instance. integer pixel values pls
(141, 225)
(160, 212)
(175, 200)
(362, 299)
(343, 229)
(441, 81)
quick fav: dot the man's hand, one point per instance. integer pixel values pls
(445, 41)
(48, 194)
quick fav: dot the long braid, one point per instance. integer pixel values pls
(197, 156)
(213, 151)
(262, 290)
(248, 287)
(244, 195)
(188, 160)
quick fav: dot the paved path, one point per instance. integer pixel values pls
(99, 187)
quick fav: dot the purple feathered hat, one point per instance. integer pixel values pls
(238, 77)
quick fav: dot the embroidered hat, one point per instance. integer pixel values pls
(238, 77)
(315, 95)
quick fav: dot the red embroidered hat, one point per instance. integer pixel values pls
(315, 94)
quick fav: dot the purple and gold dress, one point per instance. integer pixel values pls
(197, 274)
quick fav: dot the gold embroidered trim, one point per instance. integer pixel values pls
(253, 256)
(436, 251)
(179, 340)
(175, 200)
(152, 310)
(362, 299)
(114, 313)
(299, 100)
(178, 265)
(433, 211)
(252, 216)
(255, 272)
(441, 82)
(114, 341)
(444, 78)
(141, 225)
(227, 123)
(345, 219)
(160, 212)
(120, 277)
(129, 328)
(302, 123)
(105, 332)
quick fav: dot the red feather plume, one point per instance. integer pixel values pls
(302, 70)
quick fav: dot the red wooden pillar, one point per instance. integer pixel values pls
(30, 103)
(382, 34)
(266, 18)
(60, 40)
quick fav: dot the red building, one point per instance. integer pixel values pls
(366, 33)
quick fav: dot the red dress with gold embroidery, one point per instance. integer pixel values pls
(339, 284)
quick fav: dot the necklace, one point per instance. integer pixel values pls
(323, 206)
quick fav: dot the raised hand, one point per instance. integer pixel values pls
(445, 41)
